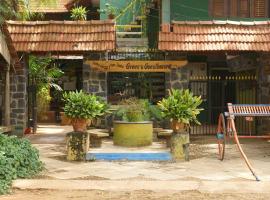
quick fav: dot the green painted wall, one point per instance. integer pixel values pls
(120, 4)
(189, 10)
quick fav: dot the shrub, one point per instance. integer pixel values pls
(18, 159)
(182, 106)
(79, 105)
(136, 110)
(79, 13)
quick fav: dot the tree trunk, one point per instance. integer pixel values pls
(180, 146)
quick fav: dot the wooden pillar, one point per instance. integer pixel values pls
(7, 96)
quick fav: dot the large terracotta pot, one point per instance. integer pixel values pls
(80, 125)
(177, 126)
(64, 119)
(132, 134)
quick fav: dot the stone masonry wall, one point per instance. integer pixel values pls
(94, 82)
(18, 101)
(179, 78)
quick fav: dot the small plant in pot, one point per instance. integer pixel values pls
(134, 127)
(81, 108)
(79, 13)
(182, 108)
(109, 10)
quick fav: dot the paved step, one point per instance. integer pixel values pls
(132, 42)
(163, 156)
(133, 185)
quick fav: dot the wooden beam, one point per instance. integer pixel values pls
(7, 96)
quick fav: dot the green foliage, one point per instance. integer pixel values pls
(79, 13)
(18, 159)
(136, 110)
(20, 9)
(109, 10)
(83, 106)
(43, 100)
(43, 72)
(182, 106)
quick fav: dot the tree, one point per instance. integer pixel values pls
(20, 9)
(43, 74)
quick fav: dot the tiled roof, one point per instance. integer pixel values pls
(62, 36)
(215, 36)
(58, 6)
(13, 57)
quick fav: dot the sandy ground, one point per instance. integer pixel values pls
(203, 166)
(136, 195)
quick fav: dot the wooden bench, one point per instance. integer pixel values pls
(96, 135)
(165, 133)
(5, 129)
(227, 127)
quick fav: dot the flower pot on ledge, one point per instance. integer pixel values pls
(80, 125)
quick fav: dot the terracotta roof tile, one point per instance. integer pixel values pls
(62, 36)
(216, 36)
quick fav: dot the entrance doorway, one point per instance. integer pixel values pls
(218, 89)
(149, 86)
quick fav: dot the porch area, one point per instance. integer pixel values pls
(203, 150)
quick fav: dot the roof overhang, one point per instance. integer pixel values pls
(62, 37)
(210, 36)
(4, 52)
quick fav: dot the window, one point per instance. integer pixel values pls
(149, 86)
(239, 8)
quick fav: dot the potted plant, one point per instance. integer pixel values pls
(109, 10)
(81, 108)
(134, 127)
(79, 13)
(181, 107)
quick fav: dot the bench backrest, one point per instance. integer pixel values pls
(251, 110)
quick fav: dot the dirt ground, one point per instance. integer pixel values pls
(136, 195)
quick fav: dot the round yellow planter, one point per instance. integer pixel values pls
(132, 134)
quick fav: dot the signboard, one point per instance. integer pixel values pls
(135, 66)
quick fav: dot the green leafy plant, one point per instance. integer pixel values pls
(43, 74)
(136, 110)
(79, 13)
(79, 105)
(18, 159)
(182, 106)
(20, 9)
(109, 10)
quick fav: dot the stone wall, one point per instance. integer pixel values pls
(18, 101)
(94, 82)
(179, 78)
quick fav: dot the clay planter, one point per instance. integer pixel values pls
(79, 125)
(177, 126)
(64, 119)
(133, 134)
(111, 16)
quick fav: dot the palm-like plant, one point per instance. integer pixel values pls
(79, 13)
(43, 73)
(181, 106)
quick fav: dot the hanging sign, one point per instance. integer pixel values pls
(135, 66)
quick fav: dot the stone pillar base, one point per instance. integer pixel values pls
(77, 146)
(180, 146)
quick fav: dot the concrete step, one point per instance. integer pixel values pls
(132, 42)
